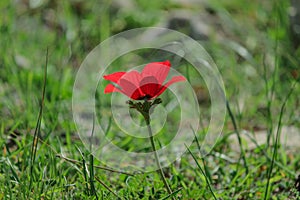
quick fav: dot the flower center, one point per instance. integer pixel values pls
(145, 97)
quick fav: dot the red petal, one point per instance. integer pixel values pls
(170, 82)
(111, 88)
(174, 80)
(136, 95)
(114, 77)
(133, 76)
(159, 70)
(166, 62)
(130, 89)
(149, 86)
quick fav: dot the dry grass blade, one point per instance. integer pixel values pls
(38, 124)
(95, 166)
(102, 183)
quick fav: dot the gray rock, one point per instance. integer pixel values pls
(189, 23)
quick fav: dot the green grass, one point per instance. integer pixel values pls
(255, 58)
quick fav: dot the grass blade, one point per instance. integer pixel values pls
(38, 125)
(278, 131)
(172, 194)
(84, 170)
(95, 166)
(104, 185)
(202, 171)
(238, 136)
(91, 167)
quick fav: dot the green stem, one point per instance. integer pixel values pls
(147, 119)
(144, 109)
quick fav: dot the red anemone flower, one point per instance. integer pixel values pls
(146, 85)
